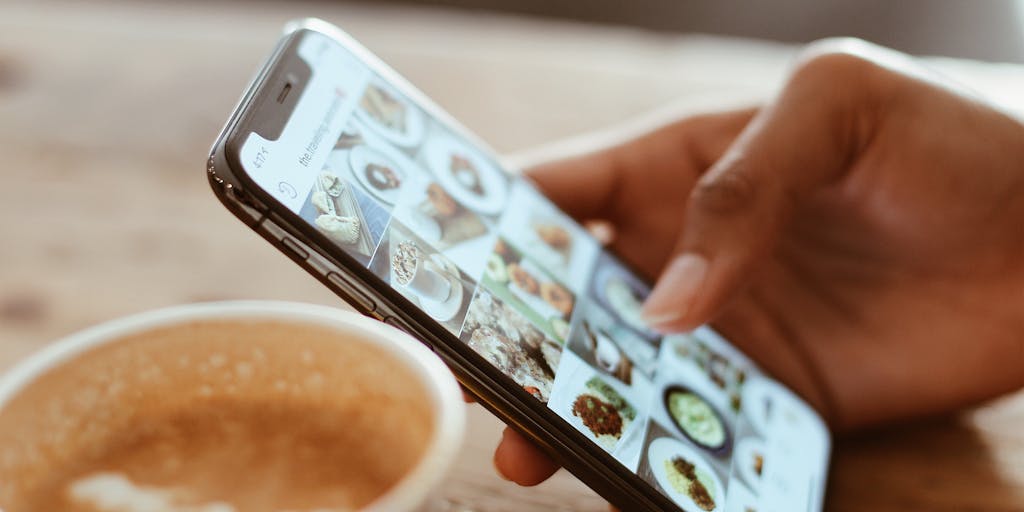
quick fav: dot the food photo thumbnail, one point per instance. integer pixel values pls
(377, 166)
(622, 293)
(345, 215)
(608, 345)
(522, 283)
(390, 114)
(681, 472)
(467, 174)
(510, 342)
(551, 238)
(605, 410)
(456, 231)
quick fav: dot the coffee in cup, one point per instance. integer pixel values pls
(224, 408)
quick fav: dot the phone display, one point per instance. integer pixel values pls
(434, 216)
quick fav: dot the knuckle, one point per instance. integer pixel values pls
(839, 45)
(842, 64)
(834, 62)
(847, 78)
(726, 194)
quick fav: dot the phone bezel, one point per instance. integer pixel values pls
(495, 390)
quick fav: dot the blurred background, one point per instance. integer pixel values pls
(108, 109)
(988, 30)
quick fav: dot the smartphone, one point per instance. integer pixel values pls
(359, 178)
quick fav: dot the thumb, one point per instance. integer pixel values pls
(806, 139)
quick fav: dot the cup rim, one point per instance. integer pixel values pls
(450, 415)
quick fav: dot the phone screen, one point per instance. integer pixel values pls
(482, 252)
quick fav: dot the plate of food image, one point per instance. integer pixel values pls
(723, 366)
(496, 269)
(624, 296)
(508, 356)
(338, 213)
(759, 403)
(511, 343)
(749, 461)
(555, 236)
(685, 476)
(602, 413)
(529, 283)
(389, 114)
(550, 242)
(381, 171)
(471, 179)
(608, 356)
(697, 419)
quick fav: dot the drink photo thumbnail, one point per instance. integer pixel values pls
(424, 276)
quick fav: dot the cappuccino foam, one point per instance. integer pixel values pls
(215, 416)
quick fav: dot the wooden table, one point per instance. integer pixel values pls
(107, 111)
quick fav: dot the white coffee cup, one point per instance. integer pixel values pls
(26, 409)
(424, 280)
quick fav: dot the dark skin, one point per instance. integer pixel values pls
(861, 237)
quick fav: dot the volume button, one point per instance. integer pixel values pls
(351, 291)
(294, 248)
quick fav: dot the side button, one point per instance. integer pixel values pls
(351, 291)
(294, 248)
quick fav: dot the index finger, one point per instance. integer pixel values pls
(587, 184)
(580, 185)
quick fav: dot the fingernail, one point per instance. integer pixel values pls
(676, 290)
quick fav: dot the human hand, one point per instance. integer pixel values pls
(861, 237)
